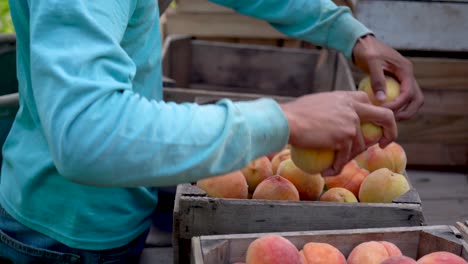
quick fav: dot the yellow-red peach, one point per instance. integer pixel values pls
(441, 257)
(272, 249)
(338, 194)
(256, 171)
(231, 185)
(383, 186)
(349, 178)
(372, 252)
(310, 186)
(371, 133)
(276, 188)
(278, 158)
(322, 253)
(392, 91)
(392, 157)
(312, 160)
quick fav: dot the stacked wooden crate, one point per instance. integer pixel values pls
(205, 20)
(433, 36)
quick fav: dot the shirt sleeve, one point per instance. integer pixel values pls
(317, 21)
(100, 132)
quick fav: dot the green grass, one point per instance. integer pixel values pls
(6, 26)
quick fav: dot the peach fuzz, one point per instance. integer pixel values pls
(372, 252)
(312, 160)
(257, 171)
(338, 194)
(272, 249)
(231, 185)
(276, 188)
(309, 186)
(322, 253)
(350, 178)
(441, 257)
(383, 186)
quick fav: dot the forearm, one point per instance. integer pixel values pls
(320, 21)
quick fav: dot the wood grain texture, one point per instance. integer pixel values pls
(245, 68)
(413, 241)
(219, 25)
(435, 154)
(417, 25)
(444, 129)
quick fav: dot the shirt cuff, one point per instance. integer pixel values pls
(269, 130)
(344, 34)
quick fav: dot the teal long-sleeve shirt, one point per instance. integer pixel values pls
(92, 128)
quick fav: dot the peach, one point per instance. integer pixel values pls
(399, 260)
(272, 249)
(256, 171)
(441, 257)
(392, 157)
(338, 194)
(322, 253)
(392, 92)
(373, 252)
(312, 160)
(310, 186)
(350, 178)
(276, 188)
(371, 133)
(231, 185)
(383, 186)
(278, 158)
(361, 160)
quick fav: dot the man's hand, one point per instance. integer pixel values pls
(375, 58)
(333, 121)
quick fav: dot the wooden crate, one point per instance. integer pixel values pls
(414, 242)
(245, 70)
(437, 135)
(195, 214)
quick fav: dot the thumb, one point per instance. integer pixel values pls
(378, 83)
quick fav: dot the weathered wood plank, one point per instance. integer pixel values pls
(417, 25)
(180, 95)
(435, 154)
(443, 129)
(265, 70)
(441, 73)
(218, 24)
(210, 216)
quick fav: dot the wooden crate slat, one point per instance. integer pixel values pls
(434, 128)
(417, 25)
(219, 25)
(435, 154)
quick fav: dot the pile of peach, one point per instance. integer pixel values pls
(373, 176)
(275, 249)
(294, 174)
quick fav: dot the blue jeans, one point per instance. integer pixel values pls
(21, 245)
